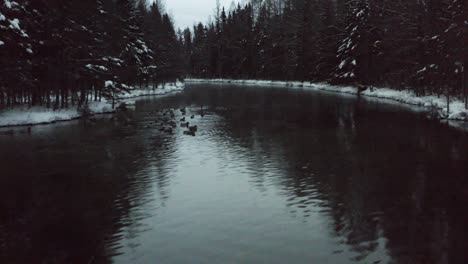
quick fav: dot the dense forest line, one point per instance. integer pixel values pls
(412, 44)
(58, 53)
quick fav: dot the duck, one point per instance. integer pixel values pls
(173, 124)
(193, 128)
(202, 113)
(192, 117)
(185, 124)
(190, 133)
(182, 119)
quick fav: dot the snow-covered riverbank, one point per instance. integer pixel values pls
(22, 116)
(457, 109)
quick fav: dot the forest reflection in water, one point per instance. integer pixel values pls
(273, 175)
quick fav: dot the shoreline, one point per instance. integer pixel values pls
(405, 97)
(25, 117)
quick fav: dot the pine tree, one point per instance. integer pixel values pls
(200, 62)
(454, 39)
(355, 52)
(410, 44)
(15, 53)
(327, 41)
(64, 53)
(263, 41)
(187, 48)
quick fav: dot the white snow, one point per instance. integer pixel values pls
(14, 24)
(422, 70)
(2, 43)
(94, 67)
(2, 17)
(42, 115)
(161, 90)
(109, 83)
(9, 4)
(457, 109)
(342, 64)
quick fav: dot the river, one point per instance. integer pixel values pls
(273, 175)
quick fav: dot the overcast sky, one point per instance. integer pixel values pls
(188, 12)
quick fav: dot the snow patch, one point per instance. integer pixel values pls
(14, 24)
(40, 115)
(161, 90)
(342, 64)
(94, 67)
(109, 84)
(9, 4)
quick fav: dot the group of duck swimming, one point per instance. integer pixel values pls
(168, 125)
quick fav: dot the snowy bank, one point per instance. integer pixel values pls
(457, 109)
(22, 116)
(161, 90)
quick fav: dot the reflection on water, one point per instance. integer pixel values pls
(272, 176)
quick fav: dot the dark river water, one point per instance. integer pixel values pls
(273, 175)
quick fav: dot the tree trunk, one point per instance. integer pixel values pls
(465, 94)
(62, 105)
(57, 100)
(66, 98)
(48, 98)
(96, 84)
(113, 98)
(2, 98)
(448, 103)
